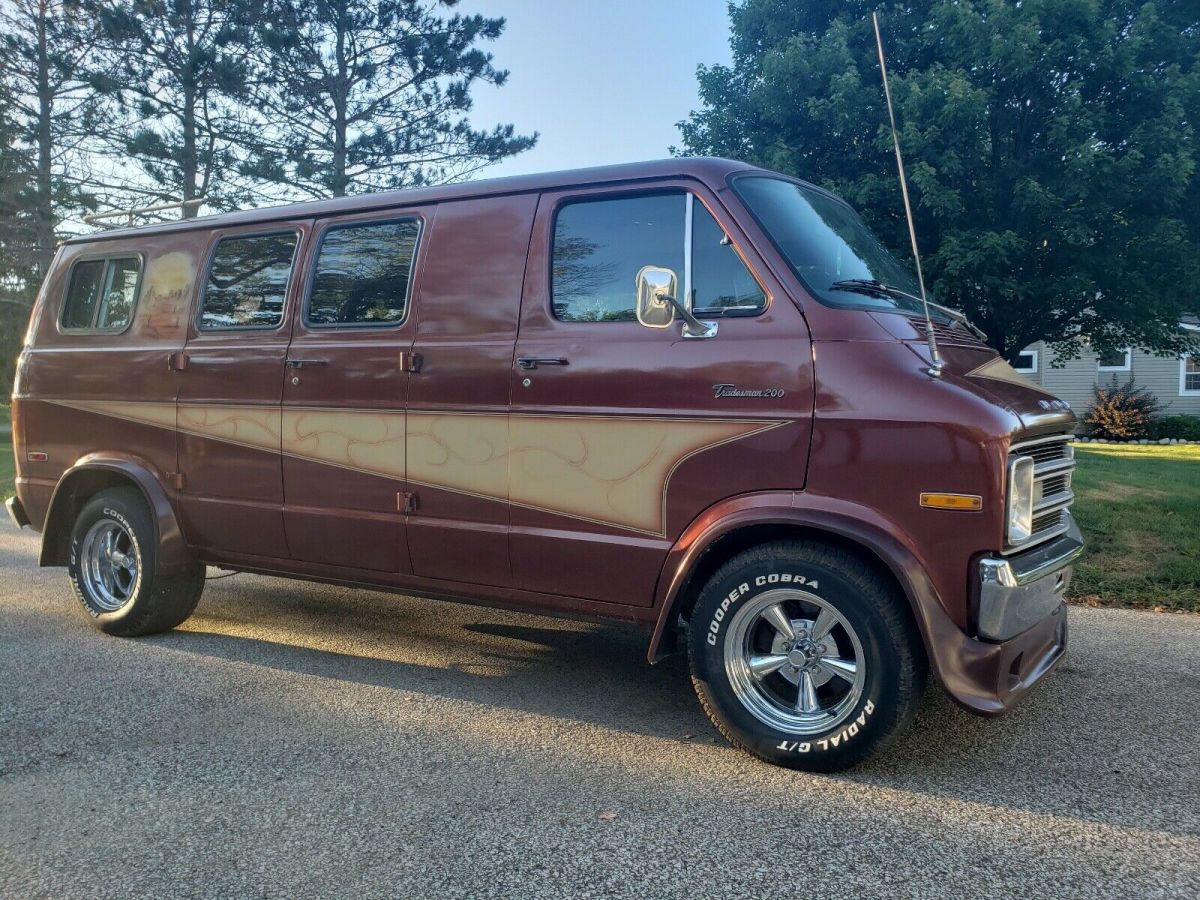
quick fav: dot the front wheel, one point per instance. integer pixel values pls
(804, 656)
(112, 568)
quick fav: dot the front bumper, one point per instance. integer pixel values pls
(1018, 592)
(1021, 628)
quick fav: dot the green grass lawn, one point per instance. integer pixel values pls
(1139, 508)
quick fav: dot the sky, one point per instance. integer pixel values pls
(601, 81)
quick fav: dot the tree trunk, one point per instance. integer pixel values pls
(337, 181)
(188, 164)
(44, 203)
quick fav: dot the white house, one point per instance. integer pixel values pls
(1174, 380)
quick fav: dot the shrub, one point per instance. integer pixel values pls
(1121, 412)
(1184, 428)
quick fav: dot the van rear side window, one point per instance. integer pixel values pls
(101, 294)
(363, 274)
(248, 281)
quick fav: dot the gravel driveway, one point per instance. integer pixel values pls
(295, 740)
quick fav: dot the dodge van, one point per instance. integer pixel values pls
(692, 394)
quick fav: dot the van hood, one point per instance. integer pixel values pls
(975, 366)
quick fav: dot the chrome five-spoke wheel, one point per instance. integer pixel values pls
(111, 562)
(794, 661)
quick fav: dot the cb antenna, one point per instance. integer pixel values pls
(936, 368)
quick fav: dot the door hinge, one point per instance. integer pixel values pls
(406, 502)
(410, 362)
(177, 480)
(177, 361)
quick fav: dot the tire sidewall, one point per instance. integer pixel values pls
(870, 720)
(128, 509)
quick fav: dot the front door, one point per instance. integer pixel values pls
(345, 390)
(622, 434)
(230, 385)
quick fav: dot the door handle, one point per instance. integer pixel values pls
(301, 363)
(532, 362)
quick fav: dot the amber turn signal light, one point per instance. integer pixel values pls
(952, 501)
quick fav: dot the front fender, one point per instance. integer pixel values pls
(95, 472)
(861, 525)
(956, 659)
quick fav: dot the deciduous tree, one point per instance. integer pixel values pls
(1052, 148)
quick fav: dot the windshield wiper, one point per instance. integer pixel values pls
(870, 286)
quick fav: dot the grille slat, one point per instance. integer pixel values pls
(1054, 463)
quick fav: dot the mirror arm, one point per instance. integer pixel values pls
(695, 326)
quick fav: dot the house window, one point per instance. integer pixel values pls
(1189, 374)
(1027, 361)
(1116, 361)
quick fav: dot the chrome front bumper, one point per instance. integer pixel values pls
(1017, 592)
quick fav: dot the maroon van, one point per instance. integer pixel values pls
(690, 394)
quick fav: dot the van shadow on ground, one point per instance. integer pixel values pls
(598, 675)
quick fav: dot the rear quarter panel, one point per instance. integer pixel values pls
(63, 371)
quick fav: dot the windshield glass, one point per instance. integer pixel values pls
(825, 242)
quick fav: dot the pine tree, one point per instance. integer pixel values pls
(179, 72)
(52, 110)
(370, 96)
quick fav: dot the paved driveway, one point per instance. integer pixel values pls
(299, 740)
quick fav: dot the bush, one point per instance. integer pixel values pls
(1121, 413)
(1184, 428)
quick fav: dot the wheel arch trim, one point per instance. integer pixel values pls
(172, 553)
(849, 522)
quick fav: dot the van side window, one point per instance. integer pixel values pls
(363, 274)
(101, 294)
(599, 246)
(247, 282)
(721, 283)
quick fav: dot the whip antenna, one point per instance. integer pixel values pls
(936, 369)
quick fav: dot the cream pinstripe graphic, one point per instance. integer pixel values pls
(612, 470)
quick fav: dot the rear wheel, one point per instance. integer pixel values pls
(802, 655)
(112, 568)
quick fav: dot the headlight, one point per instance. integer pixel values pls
(1020, 499)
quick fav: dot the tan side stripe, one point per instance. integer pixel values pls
(610, 470)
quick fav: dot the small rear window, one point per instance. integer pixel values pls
(101, 294)
(248, 281)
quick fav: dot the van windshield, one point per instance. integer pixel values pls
(827, 245)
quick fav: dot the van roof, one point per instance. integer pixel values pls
(710, 169)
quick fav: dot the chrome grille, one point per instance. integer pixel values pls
(1054, 463)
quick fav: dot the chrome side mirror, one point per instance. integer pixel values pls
(657, 306)
(656, 289)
